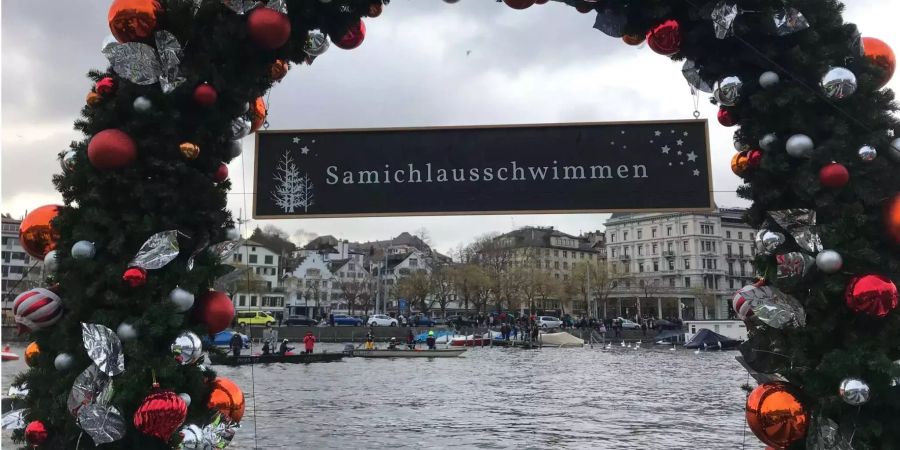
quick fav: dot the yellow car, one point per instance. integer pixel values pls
(255, 318)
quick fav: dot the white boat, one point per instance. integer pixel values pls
(561, 339)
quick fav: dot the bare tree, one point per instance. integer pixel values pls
(442, 286)
(416, 288)
(292, 190)
(468, 280)
(595, 281)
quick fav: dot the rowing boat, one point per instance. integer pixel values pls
(417, 353)
(302, 358)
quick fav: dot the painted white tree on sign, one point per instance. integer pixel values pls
(292, 191)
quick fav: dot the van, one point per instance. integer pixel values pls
(255, 318)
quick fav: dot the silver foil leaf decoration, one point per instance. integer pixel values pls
(789, 21)
(241, 6)
(91, 386)
(134, 61)
(277, 5)
(316, 44)
(611, 23)
(104, 348)
(691, 73)
(223, 250)
(13, 420)
(18, 392)
(825, 434)
(792, 267)
(104, 424)
(198, 250)
(775, 308)
(159, 250)
(220, 432)
(723, 17)
(169, 51)
(240, 128)
(800, 223)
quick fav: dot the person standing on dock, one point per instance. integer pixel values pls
(410, 339)
(309, 341)
(236, 343)
(431, 340)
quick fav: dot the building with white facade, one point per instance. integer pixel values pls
(685, 265)
(18, 273)
(260, 289)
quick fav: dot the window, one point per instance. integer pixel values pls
(612, 237)
(684, 228)
(740, 235)
(547, 264)
(728, 249)
(728, 234)
(706, 229)
(656, 266)
(742, 270)
(668, 230)
(565, 265)
(413, 262)
(730, 268)
(653, 232)
(640, 250)
(252, 259)
(565, 253)
(625, 251)
(268, 259)
(238, 257)
(556, 265)
(556, 253)
(731, 283)
(640, 267)
(556, 275)
(624, 235)
(685, 245)
(655, 248)
(741, 250)
(671, 264)
(252, 300)
(687, 264)
(671, 282)
(565, 277)
(258, 270)
(687, 281)
(613, 252)
(640, 233)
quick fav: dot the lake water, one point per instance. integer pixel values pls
(652, 398)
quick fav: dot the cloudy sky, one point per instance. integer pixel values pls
(423, 63)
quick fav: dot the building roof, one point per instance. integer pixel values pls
(336, 264)
(541, 237)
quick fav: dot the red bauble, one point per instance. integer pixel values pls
(111, 149)
(540, 2)
(834, 176)
(268, 28)
(215, 310)
(875, 295)
(135, 277)
(205, 95)
(36, 433)
(518, 4)
(879, 53)
(727, 118)
(892, 218)
(105, 86)
(375, 9)
(665, 38)
(160, 414)
(36, 232)
(221, 173)
(754, 159)
(584, 7)
(633, 39)
(352, 38)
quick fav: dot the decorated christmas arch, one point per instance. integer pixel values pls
(137, 247)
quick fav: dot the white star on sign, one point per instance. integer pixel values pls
(685, 133)
(696, 173)
(665, 149)
(679, 152)
(679, 142)
(623, 131)
(296, 140)
(657, 133)
(692, 157)
(304, 150)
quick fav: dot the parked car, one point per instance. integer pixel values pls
(381, 320)
(548, 322)
(345, 320)
(424, 321)
(300, 321)
(629, 325)
(223, 339)
(439, 321)
(255, 318)
(462, 320)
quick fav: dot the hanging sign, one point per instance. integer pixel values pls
(517, 169)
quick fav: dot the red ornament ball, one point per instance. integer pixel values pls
(160, 414)
(105, 86)
(205, 95)
(665, 38)
(353, 37)
(36, 433)
(540, 2)
(727, 118)
(111, 149)
(519, 4)
(892, 218)
(36, 232)
(880, 54)
(268, 28)
(754, 159)
(875, 295)
(834, 176)
(215, 310)
(135, 277)
(584, 7)
(221, 173)
(375, 9)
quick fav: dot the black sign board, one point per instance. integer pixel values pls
(555, 168)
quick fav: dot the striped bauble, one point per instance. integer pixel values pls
(37, 308)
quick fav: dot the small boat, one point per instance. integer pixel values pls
(417, 353)
(470, 341)
(8, 356)
(274, 358)
(562, 339)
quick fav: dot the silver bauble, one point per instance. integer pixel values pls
(83, 250)
(769, 79)
(187, 348)
(51, 261)
(67, 160)
(192, 438)
(838, 83)
(767, 241)
(232, 234)
(867, 153)
(63, 362)
(727, 91)
(895, 150)
(240, 128)
(186, 397)
(234, 148)
(854, 391)
(316, 44)
(768, 142)
(182, 299)
(142, 104)
(799, 146)
(126, 331)
(829, 261)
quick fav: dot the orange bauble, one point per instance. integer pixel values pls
(892, 218)
(881, 55)
(634, 39)
(258, 113)
(739, 163)
(227, 398)
(133, 20)
(93, 99)
(31, 354)
(36, 233)
(776, 416)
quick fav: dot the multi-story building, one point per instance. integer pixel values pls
(260, 288)
(684, 265)
(20, 270)
(330, 277)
